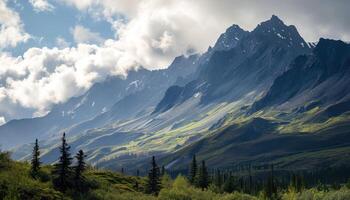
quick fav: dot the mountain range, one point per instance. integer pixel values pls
(257, 96)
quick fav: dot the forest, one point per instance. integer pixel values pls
(72, 178)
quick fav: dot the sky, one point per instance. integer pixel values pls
(52, 50)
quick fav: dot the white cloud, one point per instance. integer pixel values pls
(11, 27)
(62, 43)
(42, 77)
(85, 35)
(147, 33)
(41, 5)
(2, 120)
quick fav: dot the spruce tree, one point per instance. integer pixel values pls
(35, 162)
(250, 186)
(153, 181)
(229, 185)
(202, 178)
(271, 188)
(79, 170)
(193, 170)
(218, 178)
(62, 171)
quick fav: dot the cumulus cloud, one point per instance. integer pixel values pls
(41, 5)
(315, 18)
(11, 27)
(148, 34)
(85, 35)
(62, 43)
(43, 76)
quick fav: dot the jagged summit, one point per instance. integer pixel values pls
(276, 19)
(230, 38)
(276, 29)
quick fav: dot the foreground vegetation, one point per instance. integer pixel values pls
(16, 182)
(73, 179)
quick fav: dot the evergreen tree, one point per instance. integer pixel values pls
(218, 180)
(153, 181)
(79, 170)
(193, 170)
(271, 188)
(137, 172)
(62, 171)
(202, 178)
(297, 183)
(250, 183)
(35, 162)
(229, 185)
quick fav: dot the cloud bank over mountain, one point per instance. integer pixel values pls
(147, 33)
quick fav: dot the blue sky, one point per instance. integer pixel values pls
(46, 26)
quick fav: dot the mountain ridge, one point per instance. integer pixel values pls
(253, 90)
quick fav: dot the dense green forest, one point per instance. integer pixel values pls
(72, 178)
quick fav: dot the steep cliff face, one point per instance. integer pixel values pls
(322, 77)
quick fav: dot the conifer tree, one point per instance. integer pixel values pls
(250, 184)
(218, 178)
(229, 185)
(79, 169)
(153, 181)
(271, 188)
(297, 182)
(62, 171)
(193, 170)
(35, 162)
(202, 178)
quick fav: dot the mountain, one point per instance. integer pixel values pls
(251, 66)
(257, 141)
(259, 96)
(99, 99)
(302, 121)
(327, 68)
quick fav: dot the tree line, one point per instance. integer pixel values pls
(67, 176)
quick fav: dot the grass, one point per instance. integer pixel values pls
(17, 184)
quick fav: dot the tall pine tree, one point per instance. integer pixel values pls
(193, 170)
(218, 178)
(271, 188)
(229, 185)
(79, 170)
(35, 162)
(153, 181)
(202, 178)
(62, 171)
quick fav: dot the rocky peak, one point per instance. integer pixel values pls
(275, 29)
(230, 38)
